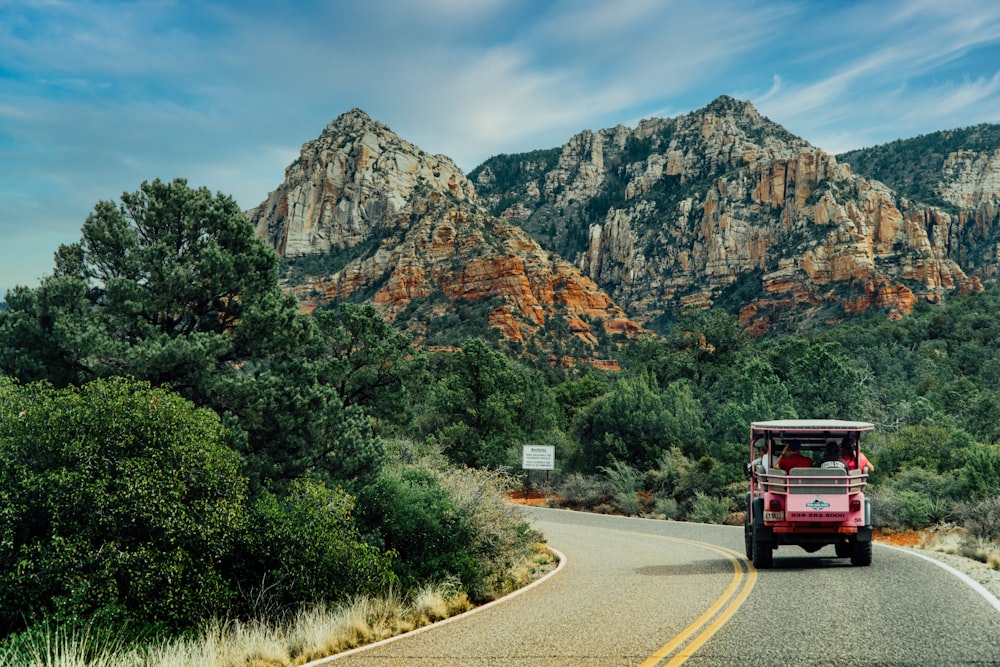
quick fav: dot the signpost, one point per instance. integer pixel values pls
(536, 457)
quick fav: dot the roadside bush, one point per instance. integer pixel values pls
(624, 480)
(583, 491)
(407, 511)
(887, 510)
(982, 469)
(708, 509)
(450, 523)
(981, 519)
(305, 548)
(682, 478)
(499, 537)
(118, 503)
(904, 509)
(667, 507)
(929, 484)
(914, 447)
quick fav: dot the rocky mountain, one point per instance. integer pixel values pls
(723, 207)
(564, 252)
(951, 168)
(956, 171)
(363, 215)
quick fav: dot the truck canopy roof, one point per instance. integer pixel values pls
(811, 425)
(807, 429)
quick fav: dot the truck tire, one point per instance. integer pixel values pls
(763, 557)
(861, 554)
(748, 532)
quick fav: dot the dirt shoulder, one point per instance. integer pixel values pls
(943, 546)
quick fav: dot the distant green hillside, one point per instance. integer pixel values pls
(912, 167)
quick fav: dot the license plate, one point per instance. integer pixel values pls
(773, 516)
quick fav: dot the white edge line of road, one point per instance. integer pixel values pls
(972, 583)
(465, 614)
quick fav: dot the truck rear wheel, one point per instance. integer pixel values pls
(861, 554)
(763, 557)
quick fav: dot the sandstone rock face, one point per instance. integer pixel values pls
(722, 204)
(420, 235)
(971, 179)
(720, 207)
(355, 180)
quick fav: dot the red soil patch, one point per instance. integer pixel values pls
(898, 538)
(534, 498)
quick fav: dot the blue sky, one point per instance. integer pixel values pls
(98, 96)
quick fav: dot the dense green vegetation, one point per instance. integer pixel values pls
(178, 442)
(508, 170)
(181, 444)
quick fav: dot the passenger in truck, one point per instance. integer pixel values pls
(859, 462)
(791, 457)
(832, 457)
(763, 459)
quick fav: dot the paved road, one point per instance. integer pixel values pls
(638, 592)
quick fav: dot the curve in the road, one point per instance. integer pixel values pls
(682, 646)
(703, 627)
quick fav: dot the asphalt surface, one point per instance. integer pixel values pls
(644, 592)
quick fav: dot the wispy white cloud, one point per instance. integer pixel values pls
(97, 96)
(893, 70)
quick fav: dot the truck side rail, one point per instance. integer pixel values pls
(811, 480)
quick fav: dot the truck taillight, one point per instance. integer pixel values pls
(856, 505)
(775, 504)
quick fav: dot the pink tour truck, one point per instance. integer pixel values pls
(806, 489)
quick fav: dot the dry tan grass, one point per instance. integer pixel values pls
(309, 635)
(959, 543)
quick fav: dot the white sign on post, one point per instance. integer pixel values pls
(538, 457)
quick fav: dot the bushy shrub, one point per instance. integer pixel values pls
(929, 484)
(982, 469)
(981, 519)
(499, 537)
(904, 509)
(708, 509)
(680, 477)
(117, 502)
(636, 421)
(913, 447)
(667, 507)
(304, 547)
(887, 511)
(406, 510)
(583, 491)
(918, 509)
(624, 480)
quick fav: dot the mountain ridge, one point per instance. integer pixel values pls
(615, 230)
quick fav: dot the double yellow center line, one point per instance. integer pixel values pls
(706, 625)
